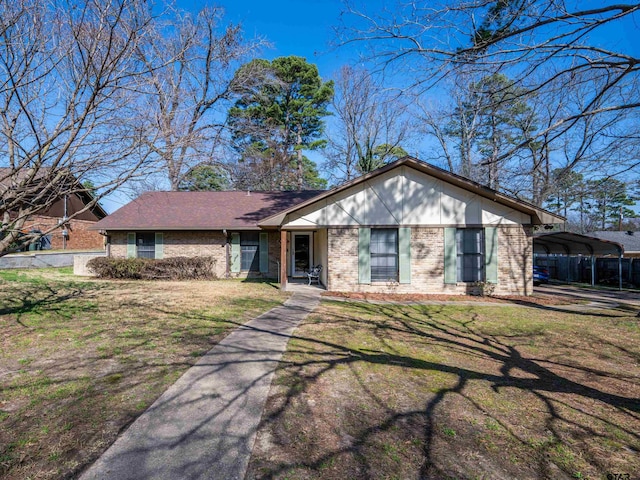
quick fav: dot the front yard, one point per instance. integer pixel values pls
(455, 392)
(81, 359)
(365, 390)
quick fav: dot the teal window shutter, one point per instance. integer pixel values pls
(450, 254)
(264, 252)
(491, 254)
(364, 255)
(159, 247)
(131, 245)
(404, 251)
(235, 252)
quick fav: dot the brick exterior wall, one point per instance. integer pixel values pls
(427, 259)
(80, 238)
(342, 260)
(515, 260)
(199, 244)
(427, 263)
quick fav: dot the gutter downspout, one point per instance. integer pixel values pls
(227, 271)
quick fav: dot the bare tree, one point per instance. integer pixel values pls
(371, 125)
(191, 60)
(67, 71)
(481, 119)
(463, 124)
(543, 46)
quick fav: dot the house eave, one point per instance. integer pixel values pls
(213, 228)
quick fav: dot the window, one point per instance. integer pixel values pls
(250, 251)
(146, 243)
(384, 254)
(470, 252)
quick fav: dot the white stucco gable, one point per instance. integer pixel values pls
(405, 196)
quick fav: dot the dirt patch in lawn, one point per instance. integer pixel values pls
(466, 392)
(81, 359)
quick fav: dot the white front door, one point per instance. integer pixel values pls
(301, 253)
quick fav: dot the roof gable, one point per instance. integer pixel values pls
(411, 192)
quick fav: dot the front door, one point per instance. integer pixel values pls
(301, 254)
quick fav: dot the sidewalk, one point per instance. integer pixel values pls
(204, 425)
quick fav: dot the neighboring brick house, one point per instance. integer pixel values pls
(408, 227)
(73, 233)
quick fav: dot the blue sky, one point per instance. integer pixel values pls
(303, 28)
(306, 28)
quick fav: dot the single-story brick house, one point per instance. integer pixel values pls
(408, 227)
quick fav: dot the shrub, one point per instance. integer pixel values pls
(483, 289)
(180, 268)
(175, 268)
(129, 268)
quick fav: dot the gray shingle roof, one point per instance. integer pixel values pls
(630, 240)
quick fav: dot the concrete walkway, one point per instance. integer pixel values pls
(204, 425)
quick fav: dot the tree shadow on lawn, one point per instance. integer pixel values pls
(30, 298)
(428, 325)
(580, 309)
(569, 395)
(88, 396)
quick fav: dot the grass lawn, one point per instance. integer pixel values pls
(81, 359)
(457, 391)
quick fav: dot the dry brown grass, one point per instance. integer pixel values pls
(462, 391)
(81, 359)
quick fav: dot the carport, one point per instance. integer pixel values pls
(563, 243)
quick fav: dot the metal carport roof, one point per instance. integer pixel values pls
(564, 243)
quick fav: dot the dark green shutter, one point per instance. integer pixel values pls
(159, 247)
(235, 252)
(491, 254)
(404, 251)
(131, 245)
(264, 252)
(364, 255)
(450, 256)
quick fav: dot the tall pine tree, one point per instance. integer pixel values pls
(277, 116)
